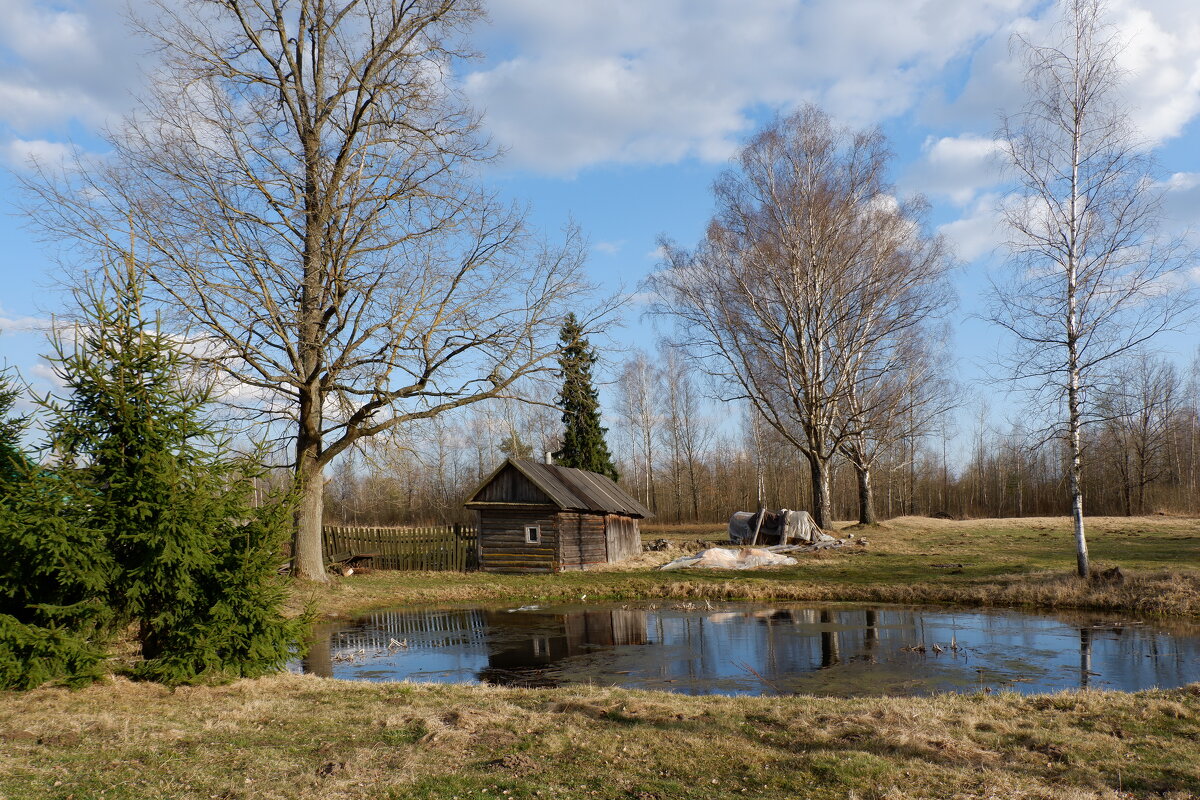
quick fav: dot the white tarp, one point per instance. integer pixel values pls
(722, 558)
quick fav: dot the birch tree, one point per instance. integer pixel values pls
(1089, 269)
(639, 387)
(805, 282)
(300, 180)
(901, 402)
(685, 428)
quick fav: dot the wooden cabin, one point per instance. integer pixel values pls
(536, 517)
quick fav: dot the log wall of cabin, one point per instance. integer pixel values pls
(502, 545)
(581, 540)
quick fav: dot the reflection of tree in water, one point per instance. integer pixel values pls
(318, 660)
(831, 654)
(532, 643)
(1085, 656)
(835, 642)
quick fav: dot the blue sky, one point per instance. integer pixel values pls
(619, 114)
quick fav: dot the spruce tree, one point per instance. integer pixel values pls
(583, 438)
(54, 576)
(14, 464)
(195, 561)
(155, 526)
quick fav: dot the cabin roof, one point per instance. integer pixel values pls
(571, 489)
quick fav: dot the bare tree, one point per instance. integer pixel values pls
(1138, 409)
(1087, 282)
(902, 402)
(685, 428)
(805, 282)
(300, 180)
(639, 386)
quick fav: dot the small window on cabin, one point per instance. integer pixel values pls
(533, 534)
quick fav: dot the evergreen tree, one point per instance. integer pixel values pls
(156, 526)
(54, 576)
(195, 561)
(13, 462)
(583, 439)
(513, 446)
(55, 620)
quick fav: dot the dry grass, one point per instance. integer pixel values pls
(1023, 562)
(307, 738)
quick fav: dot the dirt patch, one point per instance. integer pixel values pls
(516, 763)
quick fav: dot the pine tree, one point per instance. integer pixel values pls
(513, 446)
(583, 439)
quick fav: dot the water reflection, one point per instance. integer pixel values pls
(527, 644)
(745, 649)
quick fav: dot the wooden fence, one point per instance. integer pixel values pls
(449, 547)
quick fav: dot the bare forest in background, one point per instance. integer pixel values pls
(692, 459)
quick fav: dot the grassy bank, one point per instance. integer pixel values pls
(1026, 562)
(312, 738)
(306, 737)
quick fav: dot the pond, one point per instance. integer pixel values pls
(742, 648)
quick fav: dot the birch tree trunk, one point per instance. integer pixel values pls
(1087, 260)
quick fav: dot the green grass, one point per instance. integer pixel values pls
(911, 560)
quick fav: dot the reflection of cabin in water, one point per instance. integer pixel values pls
(537, 517)
(533, 642)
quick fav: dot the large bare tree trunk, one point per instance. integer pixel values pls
(822, 510)
(866, 497)
(308, 560)
(301, 179)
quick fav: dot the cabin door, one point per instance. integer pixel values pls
(619, 538)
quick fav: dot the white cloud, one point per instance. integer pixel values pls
(631, 81)
(609, 248)
(957, 167)
(1163, 62)
(36, 33)
(978, 231)
(1181, 201)
(45, 373)
(28, 106)
(1161, 59)
(21, 153)
(58, 63)
(13, 324)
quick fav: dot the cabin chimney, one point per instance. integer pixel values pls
(548, 457)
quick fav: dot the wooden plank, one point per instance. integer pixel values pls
(522, 570)
(493, 547)
(494, 556)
